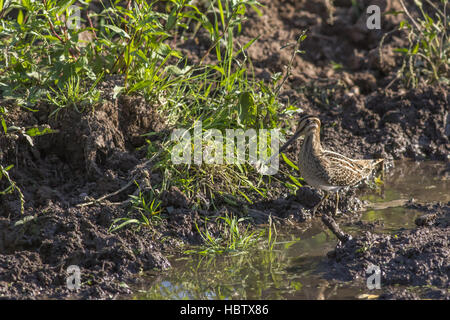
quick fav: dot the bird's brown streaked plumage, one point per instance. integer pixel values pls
(324, 169)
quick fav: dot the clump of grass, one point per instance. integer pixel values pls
(42, 60)
(224, 97)
(234, 237)
(427, 58)
(145, 206)
(12, 187)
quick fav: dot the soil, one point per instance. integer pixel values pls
(364, 113)
(411, 258)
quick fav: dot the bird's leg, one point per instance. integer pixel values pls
(337, 204)
(334, 227)
(320, 202)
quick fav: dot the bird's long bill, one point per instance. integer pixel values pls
(284, 146)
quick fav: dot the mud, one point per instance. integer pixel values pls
(360, 116)
(413, 258)
(94, 153)
(80, 162)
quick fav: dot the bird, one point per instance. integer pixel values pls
(324, 169)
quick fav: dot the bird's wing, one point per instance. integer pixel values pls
(343, 171)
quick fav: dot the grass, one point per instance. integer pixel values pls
(241, 276)
(233, 237)
(12, 187)
(45, 62)
(145, 207)
(427, 57)
(246, 276)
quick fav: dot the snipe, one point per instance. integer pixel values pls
(323, 169)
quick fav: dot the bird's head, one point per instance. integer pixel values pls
(307, 124)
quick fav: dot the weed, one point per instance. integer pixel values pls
(147, 208)
(427, 57)
(12, 186)
(271, 235)
(44, 61)
(233, 237)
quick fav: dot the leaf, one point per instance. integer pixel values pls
(20, 17)
(5, 128)
(30, 141)
(39, 131)
(248, 44)
(118, 30)
(25, 3)
(245, 196)
(291, 186)
(246, 104)
(222, 18)
(64, 5)
(123, 224)
(294, 179)
(218, 68)
(403, 24)
(140, 85)
(24, 220)
(289, 162)
(177, 71)
(415, 49)
(393, 12)
(401, 50)
(296, 285)
(141, 55)
(172, 19)
(117, 90)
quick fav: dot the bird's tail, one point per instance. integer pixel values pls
(377, 161)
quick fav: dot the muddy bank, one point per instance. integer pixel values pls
(412, 258)
(36, 254)
(91, 155)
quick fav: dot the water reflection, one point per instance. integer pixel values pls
(424, 181)
(286, 272)
(245, 276)
(289, 270)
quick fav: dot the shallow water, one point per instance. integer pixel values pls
(289, 270)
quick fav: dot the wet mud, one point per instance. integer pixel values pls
(410, 258)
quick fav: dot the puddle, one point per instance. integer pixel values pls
(422, 181)
(289, 270)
